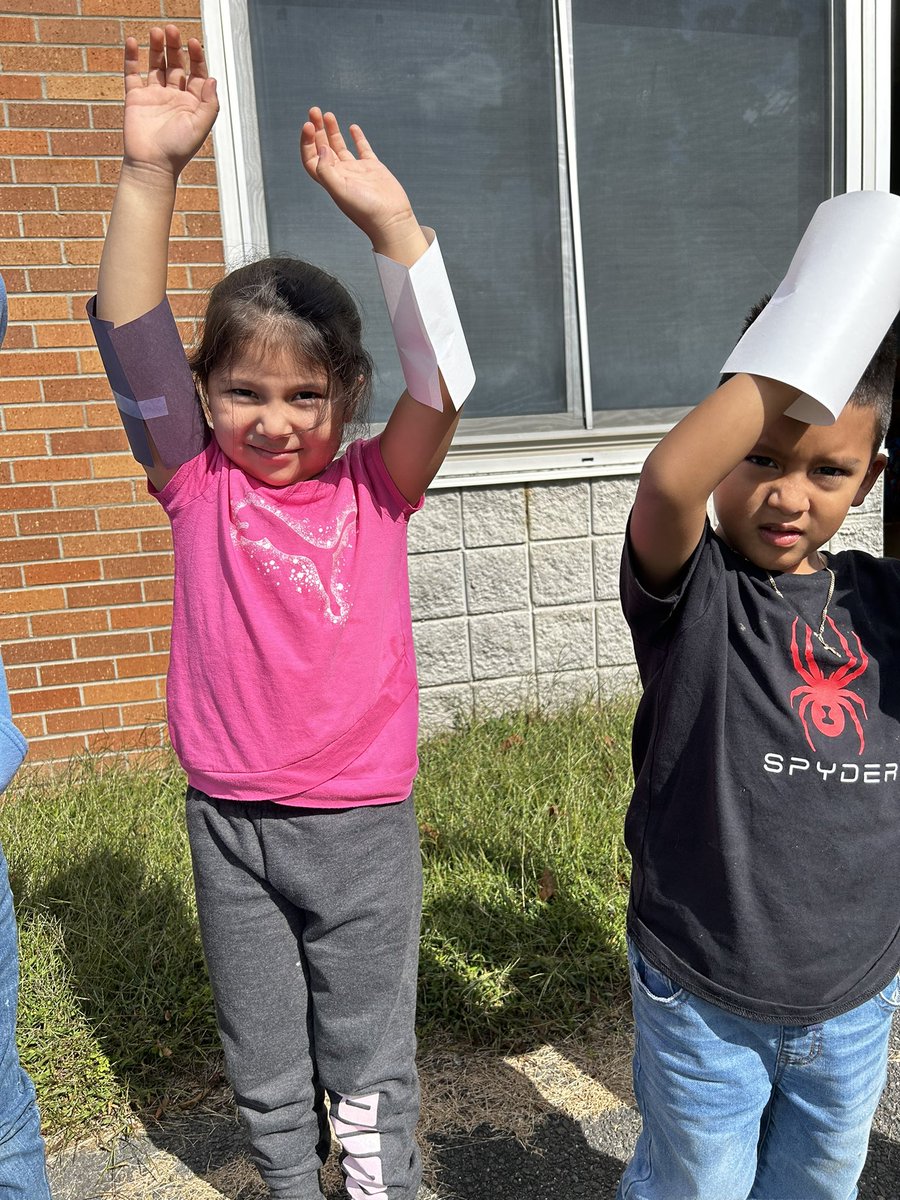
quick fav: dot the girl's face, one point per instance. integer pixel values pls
(271, 417)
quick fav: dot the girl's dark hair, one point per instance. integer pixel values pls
(287, 304)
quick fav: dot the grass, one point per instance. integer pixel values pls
(525, 890)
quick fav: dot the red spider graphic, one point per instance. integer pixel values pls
(827, 697)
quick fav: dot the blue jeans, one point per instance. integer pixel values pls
(22, 1172)
(736, 1109)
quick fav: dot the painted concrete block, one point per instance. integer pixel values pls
(497, 579)
(561, 572)
(558, 510)
(502, 645)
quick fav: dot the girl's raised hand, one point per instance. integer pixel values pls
(169, 115)
(361, 186)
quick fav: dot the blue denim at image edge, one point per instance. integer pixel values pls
(23, 1174)
(664, 1001)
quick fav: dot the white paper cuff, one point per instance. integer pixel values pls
(832, 309)
(426, 326)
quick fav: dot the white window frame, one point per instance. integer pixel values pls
(479, 458)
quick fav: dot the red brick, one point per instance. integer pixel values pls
(86, 87)
(197, 199)
(69, 521)
(77, 571)
(55, 749)
(93, 544)
(30, 254)
(205, 277)
(161, 640)
(140, 617)
(195, 250)
(156, 539)
(13, 627)
(41, 58)
(55, 170)
(10, 578)
(83, 719)
(75, 388)
(16, 280)
(22, 445)
(38, 308)
(44, 699)
(125, 739)
(29, 549)
(203, 225)
(100, 595)
(71, 334)
(57, 225)
(37, 651)
(108, 59)
(38, 364)
(78, 33)
(120, 692)
(62, 279)
(134, 517)
(126, 8)
(85, 199)
(115, 466)
(142, 665)
(87, 253)
(36, 600)
(21, 678)
(144, 714)
(10, 225)
(112, 644)
(35, 470)
(84, 620)
(30, 727)
(85, 442)
(15, 199)
(19, 337)
(106, 116)
(74, 673)
(48, 116)
(157, 589)
(22, 390)
(17, 29)
(137, 566)
(21, 87)
(41, 7)
(77, 495)
(103, 416)
(94, 142)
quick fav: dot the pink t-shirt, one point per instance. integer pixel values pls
(292, 673)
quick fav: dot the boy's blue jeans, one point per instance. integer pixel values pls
(22, 1172)
(736, 1109)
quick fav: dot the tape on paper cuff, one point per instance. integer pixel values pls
(427, 328)
(822, 326)
(152, 385)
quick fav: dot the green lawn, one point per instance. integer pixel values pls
(522, 937)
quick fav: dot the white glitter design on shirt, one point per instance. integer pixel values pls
(335, 535)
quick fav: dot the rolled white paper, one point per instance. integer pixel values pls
(426, 327)
(832, 309)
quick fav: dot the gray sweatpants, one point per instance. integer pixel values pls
(310, 926)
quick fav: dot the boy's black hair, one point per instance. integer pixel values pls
(876, 386)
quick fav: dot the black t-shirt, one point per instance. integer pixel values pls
(764, 828)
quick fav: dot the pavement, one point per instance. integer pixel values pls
(557, 1123)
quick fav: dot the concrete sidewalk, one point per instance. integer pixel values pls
(555, 1124)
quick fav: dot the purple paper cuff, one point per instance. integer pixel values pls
(153, 386)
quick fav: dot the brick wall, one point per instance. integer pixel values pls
(85, 568)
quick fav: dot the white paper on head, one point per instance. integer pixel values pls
(426, 327)
(830, 312)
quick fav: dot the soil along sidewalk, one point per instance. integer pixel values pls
(558, 1121)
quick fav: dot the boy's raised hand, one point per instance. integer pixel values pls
(362, 187)
(169, 115)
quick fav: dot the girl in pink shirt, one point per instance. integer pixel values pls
(291, 690)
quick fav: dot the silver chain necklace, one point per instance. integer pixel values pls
(819, 634)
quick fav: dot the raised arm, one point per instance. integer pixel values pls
(420, 427)
(684, 469)
(167, 117)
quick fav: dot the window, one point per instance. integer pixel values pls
(613, 184)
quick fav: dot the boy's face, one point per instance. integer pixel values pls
(794, 489)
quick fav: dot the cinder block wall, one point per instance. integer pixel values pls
(515, 593)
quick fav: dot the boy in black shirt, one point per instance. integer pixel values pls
(764, 936)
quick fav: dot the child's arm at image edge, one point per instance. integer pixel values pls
(684, 469)
(421, 427)
(166, 120)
